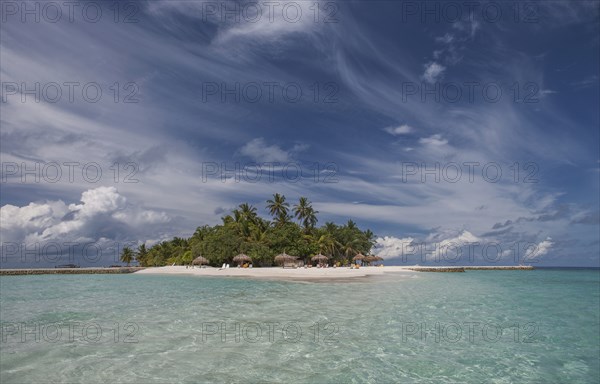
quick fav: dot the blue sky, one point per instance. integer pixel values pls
(378, 105)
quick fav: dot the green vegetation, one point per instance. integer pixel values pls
(243, 231)
(127, 255)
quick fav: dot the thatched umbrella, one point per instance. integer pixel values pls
(200, 260)
(284, 258)
(369, 259)
(319, 258)
(360, 257)
(242, 258)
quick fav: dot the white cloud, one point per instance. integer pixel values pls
(399, 130)
(545, 92)
(259, 151)
(252, 21)
(287, 17)
(533, 253)
(390, 247)
(433, 248)
(587, 82)
(458, 241)
(434, 140)
(446, 39)
(99, 200)
(464, 26)
(17, 222)
(103, 213)
(433, 71)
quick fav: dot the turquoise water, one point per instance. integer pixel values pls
(481, 326)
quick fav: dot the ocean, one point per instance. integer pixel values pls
(537, 326)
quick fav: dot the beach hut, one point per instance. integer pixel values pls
(369, 259)
(242, 258)
(285, 260)
(372, 258)
(199, 261)
(319, 258)
(359, 257)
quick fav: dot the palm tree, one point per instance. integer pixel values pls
(248, 212)
(311, 219)
(127, 255)
(227, 219)
(237, 215)
(305, 213)
(327, 244)
(258, 232)
(278, 208)
(141, 254)
(330, 227)
(301, 209)
(350, 248)
(179, 242)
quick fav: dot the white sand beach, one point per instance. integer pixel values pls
(278, 272)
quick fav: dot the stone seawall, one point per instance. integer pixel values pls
(472, 268)
(500, 268)
(437, 269)
(68, 271)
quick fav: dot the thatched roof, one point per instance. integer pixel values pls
(319, 257)
(200, 260)
(360, 256)
(241, 258)
(284, 257)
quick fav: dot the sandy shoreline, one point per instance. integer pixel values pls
(310, 273)
(277, 272)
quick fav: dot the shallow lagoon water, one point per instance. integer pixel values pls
(537, 326)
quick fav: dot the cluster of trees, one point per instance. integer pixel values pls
(243, 231)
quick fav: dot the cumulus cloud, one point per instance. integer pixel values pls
(434, 247)
(390, 247)
(102, 213)
(399, 130)
(535, 252)
(433, 71)
(17, 222)
(446, 245)
(440, 248)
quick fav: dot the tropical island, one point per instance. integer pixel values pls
(244, 239)
(292, 231)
